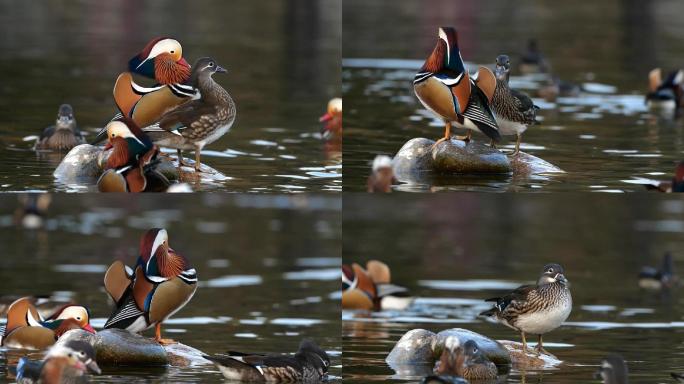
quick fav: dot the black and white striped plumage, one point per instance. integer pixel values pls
(309, 365)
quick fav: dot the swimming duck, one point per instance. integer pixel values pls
(310, 365)
(161, 60)
(652, 278)
(665, 95)
(535, 309)
(371, 288)
(25, 327)
(32, 210)
(63, 363)
(444, 87)
(613, 370)
(382, 178)
(555, 87)
(466, 361)
(199, 122)
(130, 166)
(64, 135)
(676, 185)
(514, 110)
(161, 284)
(332, 119)
(532, 60)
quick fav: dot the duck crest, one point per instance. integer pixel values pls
(147, 68)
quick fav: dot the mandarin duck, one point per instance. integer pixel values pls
(199, 122)
(309, 365)
(532, 60)
(665, 95)
(62, 136)
(514, 110)
(332, 119)
(161, 284)
(130, 166)
(161, 60)
(554, 87)
(676, 185)
(466, 361)
(444, 86)
(370, 288)
(535, 309)
(26, 328)
(382, 178)
(613, 370)
(63, 363)
(653, 278)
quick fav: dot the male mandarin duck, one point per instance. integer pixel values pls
(161, 60)
(63, 363)
(466, 361)
(444, 87)
(514, 110)
(130, 166)
(332, 119)
(199, 122)
(64, 135)
(665, 95)
(675, 185)
(382, 178)
(309, 365)
(25, 327)
(160, 285)
(370, 288)
(32, 210)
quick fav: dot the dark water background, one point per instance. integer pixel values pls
(452, 252)
(268, 267)
(601, 138)
(283, 67)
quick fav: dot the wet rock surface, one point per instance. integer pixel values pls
(423, 347)
(419, 157)
(85, 163)
(120, 347)
(528, 359)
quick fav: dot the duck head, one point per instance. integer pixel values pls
(552, 273)
(203, 69)
(445, 55)
(503, 67)
(613, 370)
(70, 317)
(472, 353)
(158, 260)
(65, 117)
(162, 60)
(314, 355)
(79, 354)
(128, 141)
(334, 110)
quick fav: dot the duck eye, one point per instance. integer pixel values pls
(81, 353)
(211, 64)
(550, 270)
(172, 52)
(78, 318)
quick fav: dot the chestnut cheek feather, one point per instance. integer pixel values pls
(169, 71)
(119, 156)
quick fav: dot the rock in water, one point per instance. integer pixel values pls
(118, 346)
(415, 156)
(83, 162)
(415, 347)
(457, 156)
(420, 346)
(528, 359)
(525, 165)
(494, 350)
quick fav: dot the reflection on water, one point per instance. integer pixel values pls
(603, 138)
(283, 69)
(454, 251)
(246, 251)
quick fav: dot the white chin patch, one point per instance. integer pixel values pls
(547, 280)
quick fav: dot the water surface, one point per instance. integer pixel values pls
(263, 263)
(283, 67)
(453, 253)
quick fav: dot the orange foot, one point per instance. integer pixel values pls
(166, 341)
